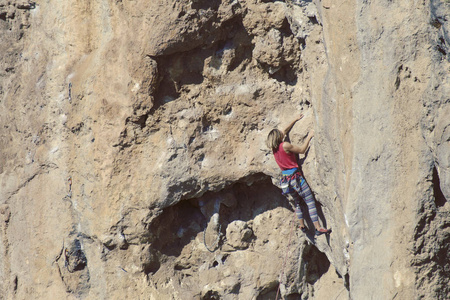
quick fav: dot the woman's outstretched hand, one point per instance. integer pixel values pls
(287, 129)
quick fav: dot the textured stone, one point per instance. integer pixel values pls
(133, 161)
(238, 234)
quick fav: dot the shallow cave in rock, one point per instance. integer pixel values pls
(286, 74)
(286, 28)
(181, 223)
(182, 69)
(268, 295)
(244, 202)
(271, 1)
(205, 4)
(314, 264)
(176, 71)
(274, 292)
(176, 227)
(211, 295)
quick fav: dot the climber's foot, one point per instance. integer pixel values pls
(303, 229)
(322, 231)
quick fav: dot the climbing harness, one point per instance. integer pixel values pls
(285, 181)
(285, 258)
(219, 234)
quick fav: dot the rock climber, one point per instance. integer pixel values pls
(293, 183)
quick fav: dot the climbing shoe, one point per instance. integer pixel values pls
(323, 231)
(303, 229)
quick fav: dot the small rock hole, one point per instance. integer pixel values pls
(441, 50)
(142, 121)
(15, 283)
(286, 28)
(439, 197)
(347, 282)
(153, 266)
(294, 296)
(436, 23)
(224, 258)
(211, 295)
(205, 4)
(315, 264)
(313, 20)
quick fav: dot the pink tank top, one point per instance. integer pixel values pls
(285, 161)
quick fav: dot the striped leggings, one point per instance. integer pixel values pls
(294, 186)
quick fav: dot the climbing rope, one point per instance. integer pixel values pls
(285, 258)
(216, 242)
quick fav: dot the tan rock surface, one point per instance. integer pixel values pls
(133, 161)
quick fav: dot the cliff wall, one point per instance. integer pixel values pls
(133, 161)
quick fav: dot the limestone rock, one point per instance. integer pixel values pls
(238, 234)
(133, 161)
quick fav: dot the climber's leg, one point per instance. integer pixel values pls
(298, 212)
(306, 194)
(308, 197)
(294, 200)
(290, 187)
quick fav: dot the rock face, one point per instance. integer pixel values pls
(133, 161)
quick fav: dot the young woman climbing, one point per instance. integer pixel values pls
(292, 182)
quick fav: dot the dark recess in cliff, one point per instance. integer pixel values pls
(179, 224)
(439, 197)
